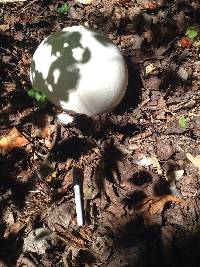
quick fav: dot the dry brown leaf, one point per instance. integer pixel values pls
(142, 135)
(195, 160)
(14, 139)
(69, 238)
(47, 132)
(155, 204)
(14, 229)
(68, 180)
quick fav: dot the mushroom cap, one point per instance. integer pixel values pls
(81, 70)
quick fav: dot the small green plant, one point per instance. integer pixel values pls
(40, 97)
(183, 124)
(64, 9)
(191, 32)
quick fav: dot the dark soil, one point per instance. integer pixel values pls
(130, 160)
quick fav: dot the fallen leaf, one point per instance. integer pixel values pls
(36, 241)
(155, 204)
(68, 238)
(67, 181)
(4, 27)
(6, 59)
(144, 161)
(47, 132)
(14, 229)
(195, 160)
(142, 135)
(149, 68)
(164, 150)
(14, 139)
(60, 216)
(8, 218)
(18, 36)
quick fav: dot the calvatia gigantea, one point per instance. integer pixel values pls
(80, 69)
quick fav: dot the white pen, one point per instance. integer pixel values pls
(77, 196)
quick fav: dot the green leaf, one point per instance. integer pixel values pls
(64, 9)
(183, 123)
(37, 95)
(191, 32)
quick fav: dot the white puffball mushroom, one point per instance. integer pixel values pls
(80, 69)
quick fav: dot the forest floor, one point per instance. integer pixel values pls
(139, 165)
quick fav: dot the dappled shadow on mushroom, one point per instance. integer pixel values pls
(64, 73)
(102, 39)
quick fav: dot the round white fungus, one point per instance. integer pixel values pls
(81, 70)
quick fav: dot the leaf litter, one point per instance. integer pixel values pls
(139, 155)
